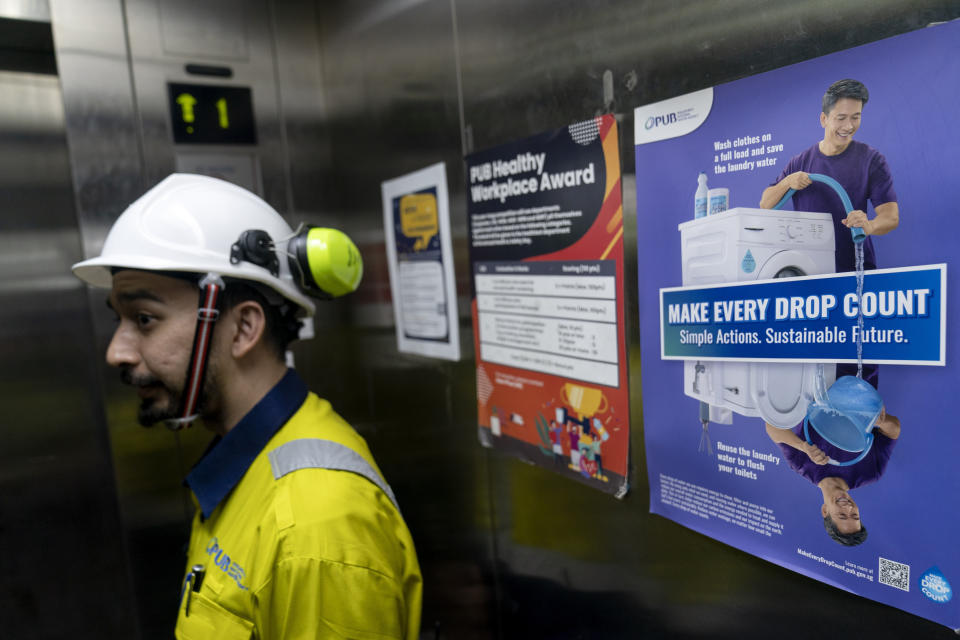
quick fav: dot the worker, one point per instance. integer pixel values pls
(296, 532)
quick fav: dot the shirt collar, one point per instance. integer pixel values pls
(229, 457)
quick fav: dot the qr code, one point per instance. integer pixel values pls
(895, 574)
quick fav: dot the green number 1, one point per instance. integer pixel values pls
(222, 109)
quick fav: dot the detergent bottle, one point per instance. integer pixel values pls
(700, 197)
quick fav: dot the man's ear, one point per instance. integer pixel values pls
(823, 510)
(250, 324)
(823, 120)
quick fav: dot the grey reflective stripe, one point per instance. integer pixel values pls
(311, 453)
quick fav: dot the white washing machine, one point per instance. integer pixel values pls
(745, 244)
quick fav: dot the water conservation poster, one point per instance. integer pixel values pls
(416, 220)
(546, 255)
(754, 324)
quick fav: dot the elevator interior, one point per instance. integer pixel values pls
(93, 517)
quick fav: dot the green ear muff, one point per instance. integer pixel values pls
(327, 260)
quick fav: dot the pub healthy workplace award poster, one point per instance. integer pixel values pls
(546, 254)
(799, 380)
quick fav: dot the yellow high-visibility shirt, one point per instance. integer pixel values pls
(297, 533)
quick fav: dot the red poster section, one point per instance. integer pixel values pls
(548, 308)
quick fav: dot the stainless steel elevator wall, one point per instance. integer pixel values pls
(347, 94)
(62, 561)
(509, 550)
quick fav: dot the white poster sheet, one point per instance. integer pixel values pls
(416, 220)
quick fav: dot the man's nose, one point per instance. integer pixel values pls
(122, 349)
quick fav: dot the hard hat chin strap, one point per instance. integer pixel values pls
(208, 312)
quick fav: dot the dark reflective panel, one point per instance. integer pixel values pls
(391, 107)
(508, 550)
(574, 563)
(62, 564)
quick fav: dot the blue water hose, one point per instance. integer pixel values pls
(859, 235)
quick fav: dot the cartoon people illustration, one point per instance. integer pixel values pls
(588, 463)
(574, 430)
(556, 433)
(591, 460)
(585, 440)
(602, 436)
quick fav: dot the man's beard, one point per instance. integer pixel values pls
(150, 412)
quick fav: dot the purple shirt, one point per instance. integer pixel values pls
(864, 472)
(863, 173)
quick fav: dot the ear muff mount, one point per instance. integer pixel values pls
(255, 246)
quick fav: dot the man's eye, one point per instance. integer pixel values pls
(144, 319)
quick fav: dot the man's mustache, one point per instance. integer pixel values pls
(128, 377)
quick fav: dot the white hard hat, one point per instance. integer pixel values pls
(190, 223)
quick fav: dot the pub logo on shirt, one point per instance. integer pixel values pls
(222, 560)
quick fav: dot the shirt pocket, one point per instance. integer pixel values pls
(208, 620)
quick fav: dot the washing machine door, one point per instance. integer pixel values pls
(787, 264)
(782, 391)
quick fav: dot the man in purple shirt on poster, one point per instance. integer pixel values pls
(859, 168)
(841, 516)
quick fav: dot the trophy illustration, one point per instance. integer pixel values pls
(585, 403)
